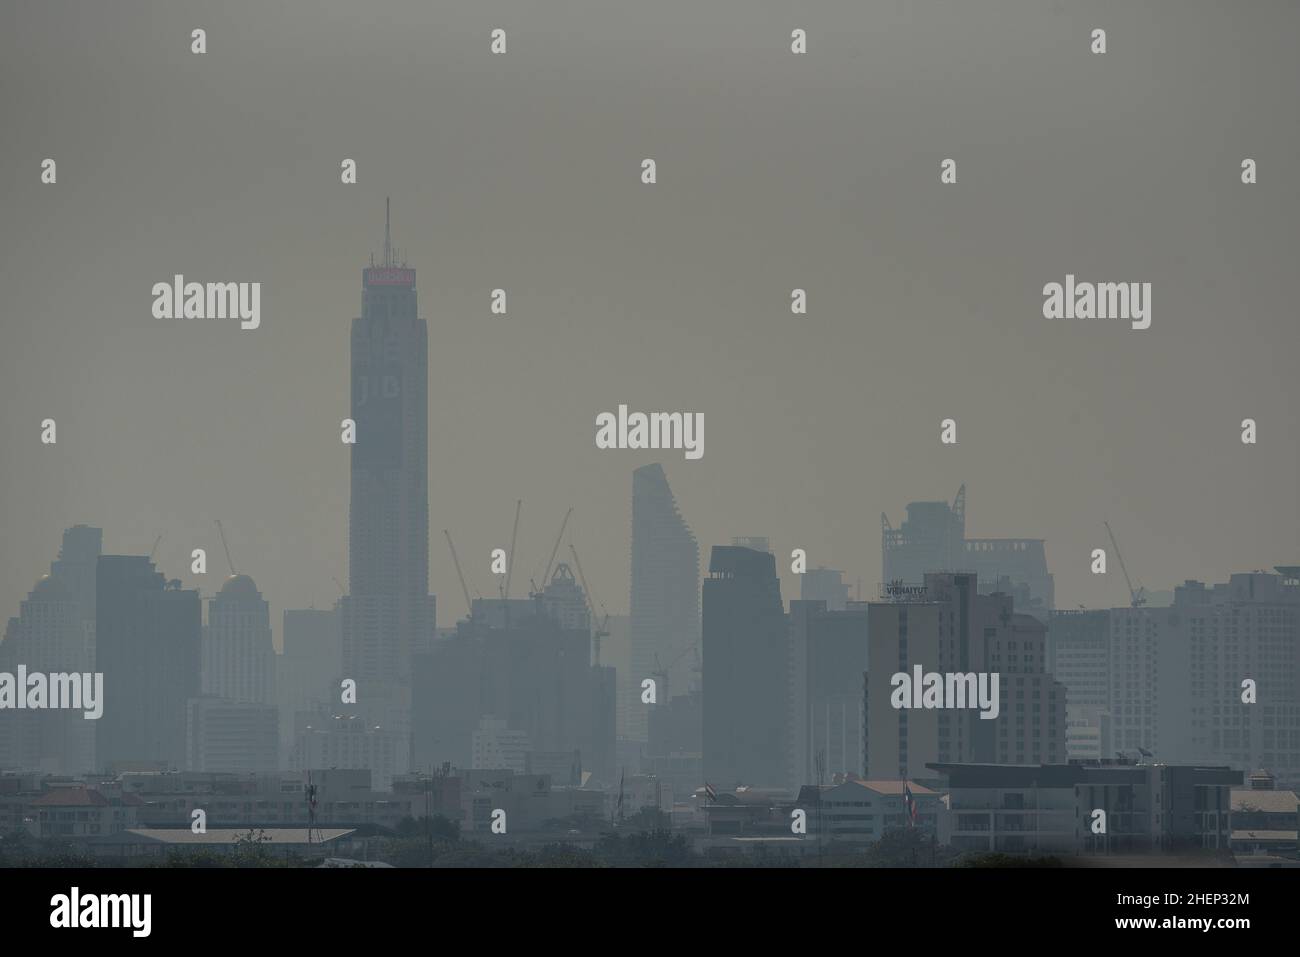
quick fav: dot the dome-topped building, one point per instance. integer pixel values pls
(238, 657)
(241, 586)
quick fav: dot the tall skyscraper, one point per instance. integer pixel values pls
(387, 612)
(238, 657)
(830, 658)
(47, 637)
(54, 632)
(76, 568)
(147, 638)
(665, 599)
(748, 735)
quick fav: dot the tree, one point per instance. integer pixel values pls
(900, 847)
(657, 848)
(251, 849)
(993, 859)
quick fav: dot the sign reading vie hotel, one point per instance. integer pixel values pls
(389, 276)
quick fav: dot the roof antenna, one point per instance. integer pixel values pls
(388, 245)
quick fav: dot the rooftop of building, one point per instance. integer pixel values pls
(80, 797)
(1067, 775)
(1259, 835)
(892, 787)
(240, 586)
(180, 836)
(1272, 802)
(740, 561)
(349, 862)
(71, 797)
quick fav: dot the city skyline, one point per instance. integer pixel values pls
(1061, 426)
(992, 558)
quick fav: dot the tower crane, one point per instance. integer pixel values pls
(510, 557)
(546, 576)
(601, 630)
(226, 547)
(469, 605)
(661, 672)
(1137, 596)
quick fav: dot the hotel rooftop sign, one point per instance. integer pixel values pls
(900, 591)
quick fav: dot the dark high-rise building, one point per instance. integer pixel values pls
(673, 752)
(531, 673)
(603, 759)
(387, 613)
(747, 672)
(54, 632)
(829, 650)
(147, 636)
(665, 599)
(75, 567)
(47, 637)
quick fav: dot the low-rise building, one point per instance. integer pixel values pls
(80, 812)
(139, 843)
(1265, 821)
(860, 812)
(1052, 808)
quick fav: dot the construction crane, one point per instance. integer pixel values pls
(469, 605)
(600, 630)
(154, 551)
(510, 556)
(226, 547)
(546, 576)
(1137, 596)
(661, 672)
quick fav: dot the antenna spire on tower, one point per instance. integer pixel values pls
(388, 244)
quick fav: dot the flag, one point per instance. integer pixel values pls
(910, 803)
(709, 793)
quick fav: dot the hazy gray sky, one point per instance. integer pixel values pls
(775, 171)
